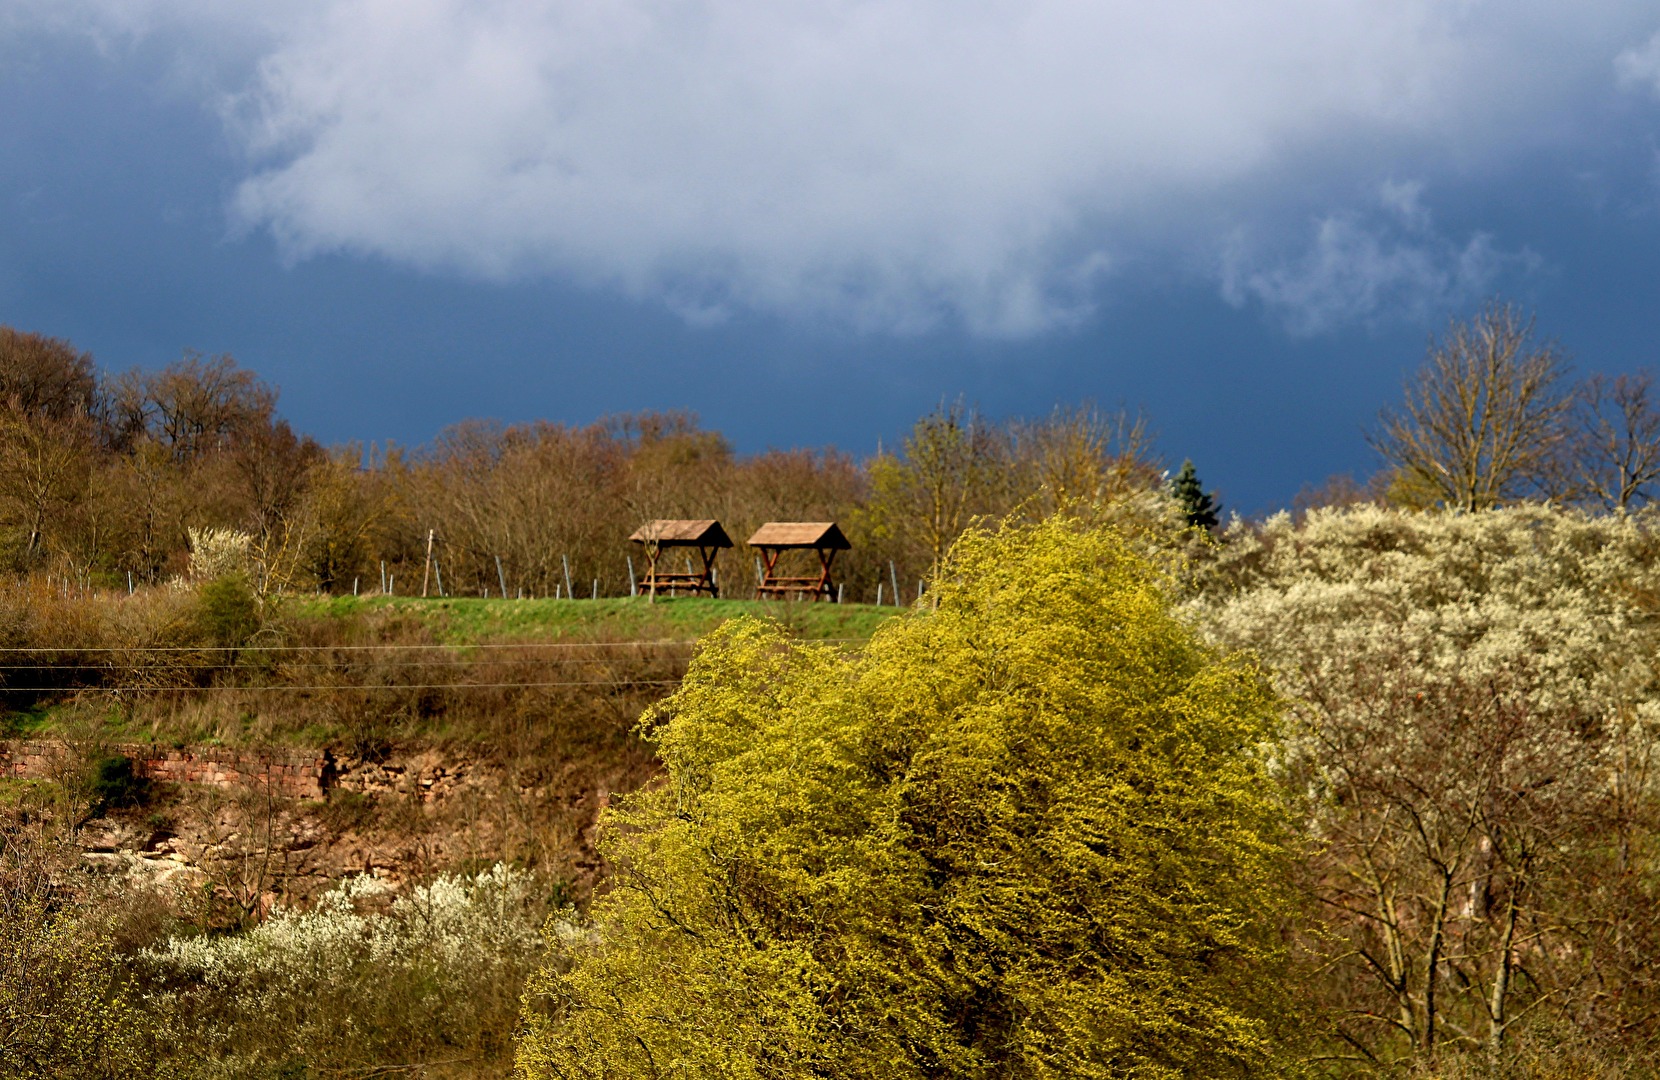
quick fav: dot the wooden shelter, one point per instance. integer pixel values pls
(776, 537)
(706, 537)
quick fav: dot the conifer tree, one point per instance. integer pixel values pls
(1198, 505)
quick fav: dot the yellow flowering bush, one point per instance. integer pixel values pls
(1027, 833)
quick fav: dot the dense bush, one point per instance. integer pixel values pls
(366, 981)
(65, 1008)
(1027, 834)
(1474, 719)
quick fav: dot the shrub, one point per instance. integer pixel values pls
(1027, 834)
(64, 1006)
(114, 784)
(1473, 713)
(218, 553)
(228, 611)
(431, 980)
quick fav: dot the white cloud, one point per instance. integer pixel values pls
(1641, 66)
(1371, 267)
(889, 163)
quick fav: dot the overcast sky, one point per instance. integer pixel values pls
(810, 222)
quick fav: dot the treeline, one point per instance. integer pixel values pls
(107, 479)
(110, 479)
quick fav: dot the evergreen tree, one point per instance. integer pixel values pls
(1198, 505)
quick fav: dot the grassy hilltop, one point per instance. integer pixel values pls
(467, 620)
(351, 673)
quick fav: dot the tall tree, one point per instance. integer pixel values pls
(45, 465)
(193, 407)
(1025, 835)
(1614, 446)
(1198, 505)
(953, 466)
(1482, 422)
(45, 377)
(1083, 455)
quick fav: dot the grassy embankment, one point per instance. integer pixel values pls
(363, 673)
(465, 620)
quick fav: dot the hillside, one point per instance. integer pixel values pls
(397, 735)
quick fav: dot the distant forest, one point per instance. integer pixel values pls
(107, 475)
(106, 478)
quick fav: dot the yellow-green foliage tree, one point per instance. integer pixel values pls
(1027, 833)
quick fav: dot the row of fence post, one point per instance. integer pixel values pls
(433, 573)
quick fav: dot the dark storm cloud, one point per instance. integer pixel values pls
(895, 165)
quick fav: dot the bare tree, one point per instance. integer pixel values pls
(194, 407)
(1484, 419)
(955, 466)
(1083, 454)
(44, 472)
(1614, 450)
(45, 377)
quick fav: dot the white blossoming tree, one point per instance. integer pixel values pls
(1475, 713)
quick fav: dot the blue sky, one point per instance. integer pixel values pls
(811, 222)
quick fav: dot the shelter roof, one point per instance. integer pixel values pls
(800, 534)
(673, 532)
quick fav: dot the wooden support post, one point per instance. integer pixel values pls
(426, 568)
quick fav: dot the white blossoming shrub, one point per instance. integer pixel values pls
(428, 978)
(217, 553)
(1473, 715)
(1567, 595)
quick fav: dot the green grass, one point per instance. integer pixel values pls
(326, 718)
(31, 793)
(22, 723)
(464, 620)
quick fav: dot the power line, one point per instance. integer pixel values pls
(337, 686)
(36, 650)
(344, 648)
(290, 665)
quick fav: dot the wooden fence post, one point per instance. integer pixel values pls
(426, 567)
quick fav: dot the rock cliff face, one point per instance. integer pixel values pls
(289, 774)
(249, 828)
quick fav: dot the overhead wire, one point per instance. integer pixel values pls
(340, 686)
(450, 662)
(680, 642)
